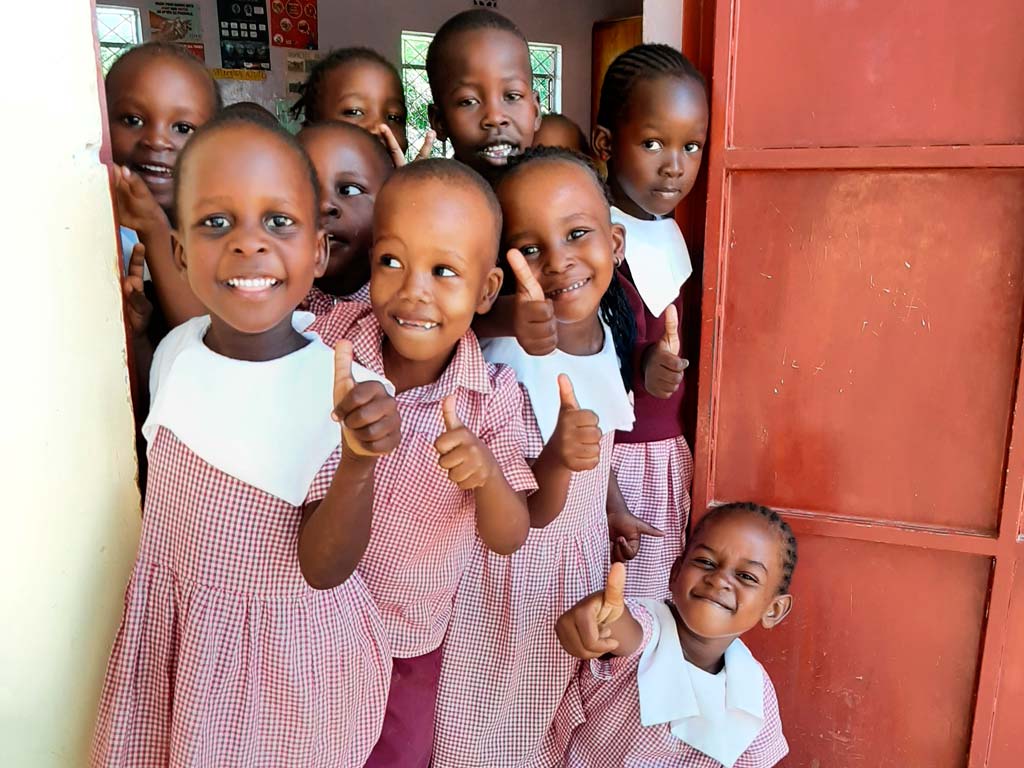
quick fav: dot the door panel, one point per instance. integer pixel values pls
(1006, 742)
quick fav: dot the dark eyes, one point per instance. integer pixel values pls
(692, 148)
(183, 128)
(132, 121)
(390, 262)
(576, 234)
(350, 190)
(216, 222)
(529, 250)
(443, 271)
(353, 112)
(279, 221)
(653, 145)
(397, 117)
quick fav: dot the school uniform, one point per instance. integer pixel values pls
(654, 709)
(321, 303)
(225, 656)
(424, 526)
(652, 463)
(508, 694)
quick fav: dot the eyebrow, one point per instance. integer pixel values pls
(277, 202)
(746, 561)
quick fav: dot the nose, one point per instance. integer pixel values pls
(328, 209)
(157, 138)
(557, 260)
(494, 115)
(716, 579)
(248, 240)
(415, 286)
(674, 166)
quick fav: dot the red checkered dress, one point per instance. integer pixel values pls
(225, 656)
(508, 694)
(655, 480)
(424, 527)
(320, 303)
(613, 735)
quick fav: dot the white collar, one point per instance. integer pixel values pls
(720, 724)
(659, 262)
(266, 423)
(595, 380)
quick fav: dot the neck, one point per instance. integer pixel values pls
(271, 344)
(408, 374)
(703, 652)
(585, 337)
(623, 201)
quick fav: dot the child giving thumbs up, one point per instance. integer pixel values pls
(600, 623)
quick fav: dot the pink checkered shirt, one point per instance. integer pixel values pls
(320, 303)
(613, 735)
(424, 527)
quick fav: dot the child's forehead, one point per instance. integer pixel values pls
(446, 206)
(489, 44)
(358, 72)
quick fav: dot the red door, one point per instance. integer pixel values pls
(861, 342)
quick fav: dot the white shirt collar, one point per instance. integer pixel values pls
(721, 724)
(659, 262)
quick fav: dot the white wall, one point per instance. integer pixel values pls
(379, 25)
(70, 507)
(663, 22)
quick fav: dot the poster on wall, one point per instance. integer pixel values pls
(174, 22)
(244, 34)
(298, 65)
(293, 23)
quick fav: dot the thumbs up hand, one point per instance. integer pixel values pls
(369, 416)
(663, 368)
(469, 462)
(577, 437)
(586, 630)
(533, 318)
(138, 309)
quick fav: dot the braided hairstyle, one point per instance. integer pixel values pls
(307, 107)
(642, 62)
(170, 50)
(614, 308)
(476, 18)
(774, 521)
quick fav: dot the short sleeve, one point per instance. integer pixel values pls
(504, 432)
(337, 323)
(611, 668)
(323, 479)
(769, 746)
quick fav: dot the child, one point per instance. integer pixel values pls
(158, 94)
(478, 65)
(352, 166)
(225, 655)
(559, 131)
(651, 124)
(252, 110)
(459, 471)
(505, 696)
(682, 689)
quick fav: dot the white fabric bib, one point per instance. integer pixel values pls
(658, 259)
(268, 423)
(595, 380)
(719, 715)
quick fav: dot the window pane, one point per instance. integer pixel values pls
(118, 30)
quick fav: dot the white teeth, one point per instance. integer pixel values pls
(498, 150)
(573, 287)
(252, 283)
(163, 170)
(410, 324)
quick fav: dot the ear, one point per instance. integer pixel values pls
(676, 566)
(540, 117)
(492, 284)
(178, 254)
(777, 611)
(618, 244)
(323, 253)
(437, 122)
(601, 141)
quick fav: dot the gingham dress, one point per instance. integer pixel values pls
(321, 303)
(424, 526)
(225, 656)
(613, 736)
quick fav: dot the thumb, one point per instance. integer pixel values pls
(648, 530)
(566, 394)
(343, 381)
(613, 602)
(451, 418)
(670, 341)
(527, 286)
(137, 261)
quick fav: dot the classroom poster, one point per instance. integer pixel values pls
(171, 22)
(293, 23)
(244, 33)
(297, 66)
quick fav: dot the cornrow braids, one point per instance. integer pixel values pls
(476, 18)
(614, 308)
(774, 520)
(642, 62)
(170, 50)
(307, 106)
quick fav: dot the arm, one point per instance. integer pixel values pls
(600, 623)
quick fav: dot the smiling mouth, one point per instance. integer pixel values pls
(715, 603)
(567, 289)
(417, 325)
(158, 170)
(252, 284)
(667, 191)
(499, 153)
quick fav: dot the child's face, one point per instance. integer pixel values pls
(433, 265)
(728, 579)
(488, 108)
(155, 104)
(558, 218)
(351, 174)
(367, 94)
(656, 149)
(248, 237)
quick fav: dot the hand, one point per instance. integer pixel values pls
(395, 149)
(624, 531)
(585, 629)
(663, 369)
(369, 416)
(533, 318)
(469, 462)
(137, 308)
(136, 207)
(577, 438)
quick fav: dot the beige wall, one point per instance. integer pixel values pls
(70, 507)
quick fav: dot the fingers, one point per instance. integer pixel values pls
(566, 394)
(624, 550)
(451, 418)
(613, 602)
(670, 339)
(648, 530)
(527, 287)
(392, 145)
(137, 261)
(428, 145)
(343, 381)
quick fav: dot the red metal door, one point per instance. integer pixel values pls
(861, 342)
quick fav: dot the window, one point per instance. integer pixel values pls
(545, 59)
(118, 29)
